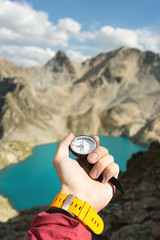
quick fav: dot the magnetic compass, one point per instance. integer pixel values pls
(81, 147)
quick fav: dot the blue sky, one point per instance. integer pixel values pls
(32, 31)
(118, 13)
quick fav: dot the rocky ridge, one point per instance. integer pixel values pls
(132, 216)
(118, 92)
(115, 93)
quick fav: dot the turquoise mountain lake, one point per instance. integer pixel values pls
(34, 181)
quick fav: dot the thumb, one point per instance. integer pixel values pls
(63, 148)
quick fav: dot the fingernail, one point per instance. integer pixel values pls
(94, 173)
(93, 157)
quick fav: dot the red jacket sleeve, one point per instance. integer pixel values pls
(46, 226)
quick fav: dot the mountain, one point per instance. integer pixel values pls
(115, 93)
(132, 215)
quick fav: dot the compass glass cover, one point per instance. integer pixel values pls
(83, 145)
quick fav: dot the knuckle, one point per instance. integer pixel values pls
(102, 163)
(60, 145)
(103, 150)
(54, 161)
(113, 168)
(111, 158)
(117, 167)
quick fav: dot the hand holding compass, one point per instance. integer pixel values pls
(82, 146)
(77, 180)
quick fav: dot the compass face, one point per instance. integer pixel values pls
(82, 146)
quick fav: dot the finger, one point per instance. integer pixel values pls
(112, 170)
(96, 138)
(97, 154)
(100, 166)
(63, 147)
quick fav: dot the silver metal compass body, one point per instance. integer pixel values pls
(82, 146)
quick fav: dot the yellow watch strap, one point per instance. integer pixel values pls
(82, 210)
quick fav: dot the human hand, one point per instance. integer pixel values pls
(76, 177)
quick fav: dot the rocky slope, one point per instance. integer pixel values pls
(115, 93)
(135, 215)
(6, 210)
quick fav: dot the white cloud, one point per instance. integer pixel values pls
(85, 36)
(111, 38)
(77, 56)
(21, 18)
(149, 39)
(20, 24)
(27, 36)
(69, 25)
(26, 56)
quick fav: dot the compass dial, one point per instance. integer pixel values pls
(82, 146)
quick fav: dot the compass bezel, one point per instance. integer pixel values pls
(88, 139)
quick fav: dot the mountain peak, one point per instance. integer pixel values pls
(60, 63)
(60, 54)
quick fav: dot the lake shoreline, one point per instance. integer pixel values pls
(134, 214)
(15, 152)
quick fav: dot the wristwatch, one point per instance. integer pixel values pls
(80, 209)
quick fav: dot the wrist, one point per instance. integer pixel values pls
(82, 194)
(80, 209)
(78, 194)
